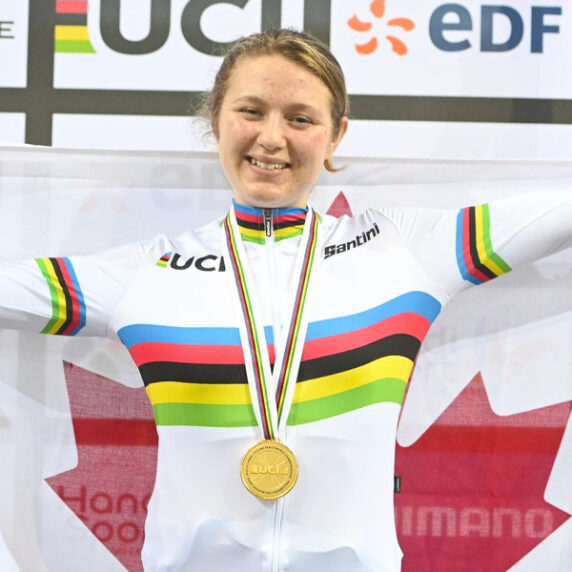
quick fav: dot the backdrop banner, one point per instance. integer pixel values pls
(467, 79)
(484, 458)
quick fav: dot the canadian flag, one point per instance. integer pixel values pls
(484, 459)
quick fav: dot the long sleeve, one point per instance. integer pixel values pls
(71, 295)
(473, 245)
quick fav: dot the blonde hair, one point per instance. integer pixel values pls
(298, 47)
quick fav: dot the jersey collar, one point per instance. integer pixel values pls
(253, 224)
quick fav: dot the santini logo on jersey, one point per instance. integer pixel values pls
(359, 240)
(207, 263)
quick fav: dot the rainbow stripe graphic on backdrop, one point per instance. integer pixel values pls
(476, 258)
(68, 306)
(286, 223)
(71, 32)
(197, 377)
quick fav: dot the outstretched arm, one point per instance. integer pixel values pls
(473, 245)
(68, 296)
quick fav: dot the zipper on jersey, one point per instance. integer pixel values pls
(272, 274)
(268, 223)
(271, 256)
(277, 535)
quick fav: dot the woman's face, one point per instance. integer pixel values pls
(274, 131)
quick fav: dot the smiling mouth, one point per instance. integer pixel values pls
(267, 166)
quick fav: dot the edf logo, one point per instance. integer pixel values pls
(449, 21)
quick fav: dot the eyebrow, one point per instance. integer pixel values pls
(248, 99)
(255, 100)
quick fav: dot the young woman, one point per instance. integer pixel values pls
(277, 374)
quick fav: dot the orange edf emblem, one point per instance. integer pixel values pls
(377, 8)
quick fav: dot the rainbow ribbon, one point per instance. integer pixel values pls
(256, 349)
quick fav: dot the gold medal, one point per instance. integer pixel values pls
(269, 470)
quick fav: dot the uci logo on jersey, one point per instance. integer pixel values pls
(206, 263)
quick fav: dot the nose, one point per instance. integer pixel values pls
(272, 134)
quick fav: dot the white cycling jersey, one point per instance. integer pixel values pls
(381, 279)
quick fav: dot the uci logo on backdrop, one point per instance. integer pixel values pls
(378, 26)
(111, 20)
(385, 46)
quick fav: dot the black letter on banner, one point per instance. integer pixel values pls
(271, 14)
(317, 17)
(437, 26)
(6, 30)
(158, 29)
(487, 26)
(191, 25)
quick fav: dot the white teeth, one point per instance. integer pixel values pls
(268, 166)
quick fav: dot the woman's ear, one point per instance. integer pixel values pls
(344, 122)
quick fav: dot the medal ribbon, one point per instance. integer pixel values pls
(256, 346)
(296, 317)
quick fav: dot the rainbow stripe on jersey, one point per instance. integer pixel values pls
(476, 258)
(164, 260)
(286, 222)
(68, 305)
(197, 377)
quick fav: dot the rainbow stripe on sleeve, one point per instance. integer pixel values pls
(476, 258)
(68, 305)
(197, 376)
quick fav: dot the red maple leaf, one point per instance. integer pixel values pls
(340, 206)
(473, 485)
(117, 459)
